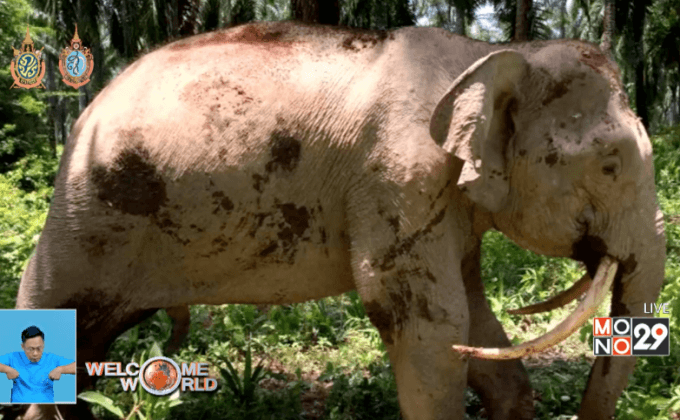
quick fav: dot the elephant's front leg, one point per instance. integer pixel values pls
(503, 385)
(413, 293)
(418, 322)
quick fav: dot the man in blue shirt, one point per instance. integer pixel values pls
(33, 371)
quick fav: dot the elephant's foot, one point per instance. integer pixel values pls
(181, 318)
(430, 379)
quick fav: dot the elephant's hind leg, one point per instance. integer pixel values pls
(181, 318)
(503, 385)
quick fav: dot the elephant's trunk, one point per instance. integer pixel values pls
(601, 284)
(633, 288)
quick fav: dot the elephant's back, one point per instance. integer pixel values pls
(214, 100)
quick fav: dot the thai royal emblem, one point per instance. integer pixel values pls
(76, 63)
(27, 66)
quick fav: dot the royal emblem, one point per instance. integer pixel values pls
(76, 63)
(27, 66)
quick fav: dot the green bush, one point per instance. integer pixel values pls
(358, 396)
(25, 194)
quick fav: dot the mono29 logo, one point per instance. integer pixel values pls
(623, 336)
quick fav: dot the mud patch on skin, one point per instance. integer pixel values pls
(222, 202)
(292, 225)
(359, 41)
(131, 185)
(423, 308)
(551, 159)
(393, 221)
(391, 318)
(285, 152)
(269, 249)
(164, 222)
(297, 219)
(558, 89)
(259, 181)
(118, 228)
(95, 246)
(219, 245)
(268, 37)
(404, 246)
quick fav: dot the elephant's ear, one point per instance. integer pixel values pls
(472, 121)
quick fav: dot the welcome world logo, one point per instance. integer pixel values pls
(158, 375)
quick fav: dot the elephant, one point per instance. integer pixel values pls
(279, 162)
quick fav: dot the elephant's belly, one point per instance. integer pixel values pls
(315, 274)
(229, 251)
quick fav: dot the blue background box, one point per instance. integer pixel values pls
(59, 327)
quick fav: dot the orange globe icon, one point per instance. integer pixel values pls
(160, 375)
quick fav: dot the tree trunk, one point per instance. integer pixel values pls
(563, 16)
(522, 20)
(460, 21)
(243, 11)
(188, 17)
(676, 100)
(326, 12)
(638, 23)
(609, 27)
(62, 106)
(51, 104)
(83, 98)
(672, 116)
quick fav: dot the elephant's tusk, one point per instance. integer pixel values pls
(579, 288)
(602, 283)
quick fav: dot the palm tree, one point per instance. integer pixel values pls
(609, 23)
(375, 14)
(537, 19)
(662, 38)
(522, 20)
(316, 11)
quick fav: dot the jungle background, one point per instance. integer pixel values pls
(324, 359)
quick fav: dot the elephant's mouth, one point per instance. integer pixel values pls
(589, 250)
(601, 267)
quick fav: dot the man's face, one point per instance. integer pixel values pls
(33, 348)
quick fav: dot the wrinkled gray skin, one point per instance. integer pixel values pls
(277, 163)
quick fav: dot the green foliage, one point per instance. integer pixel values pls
(360, 396)
(23, 118)
(667, 169)
(96, 397)
(25, 193)
(559, 385)
(243, 388)
(515, 277)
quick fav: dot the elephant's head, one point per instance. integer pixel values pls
(554, 155)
